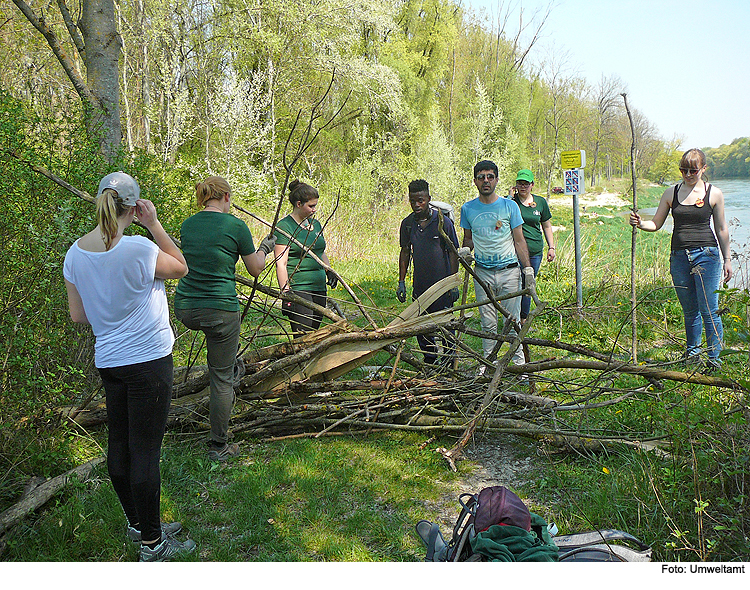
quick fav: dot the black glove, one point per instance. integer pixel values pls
(455, 294)
(401, 291)
(332, 279)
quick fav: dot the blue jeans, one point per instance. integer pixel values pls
(697, 273)
(536, 261)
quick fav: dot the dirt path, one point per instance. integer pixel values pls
(499, 460)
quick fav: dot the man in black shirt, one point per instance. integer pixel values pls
(420, 241)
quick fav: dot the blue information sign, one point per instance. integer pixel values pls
(574, 181)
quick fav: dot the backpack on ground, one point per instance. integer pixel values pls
(496, 525)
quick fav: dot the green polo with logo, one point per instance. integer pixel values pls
(533, 217)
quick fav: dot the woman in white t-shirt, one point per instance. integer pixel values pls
(115, 283)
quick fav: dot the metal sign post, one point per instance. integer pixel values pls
(573, 163)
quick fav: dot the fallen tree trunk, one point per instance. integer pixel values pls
(192, 407)
(42, 493)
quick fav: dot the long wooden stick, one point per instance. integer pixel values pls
(633, 302)
(456, 452)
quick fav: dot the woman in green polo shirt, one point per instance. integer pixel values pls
(296, 270)
(206, 299)
(536, 219)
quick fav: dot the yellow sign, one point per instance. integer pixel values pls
(572, 159)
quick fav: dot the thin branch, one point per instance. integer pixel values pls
(633, 319)
(75, 34)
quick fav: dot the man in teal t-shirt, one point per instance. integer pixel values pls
(493, 229)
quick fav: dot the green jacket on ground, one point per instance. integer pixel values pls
(512, 543)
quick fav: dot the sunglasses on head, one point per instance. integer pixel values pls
(487, 176)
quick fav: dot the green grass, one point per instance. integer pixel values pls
(333, 499)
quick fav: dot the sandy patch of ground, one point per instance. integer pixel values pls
(591, 200)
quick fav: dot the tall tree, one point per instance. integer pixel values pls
(608, 92)
(95, 39)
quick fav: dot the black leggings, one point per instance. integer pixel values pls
(303, 319)
(138, 398)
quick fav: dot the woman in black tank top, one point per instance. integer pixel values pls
(700, 260)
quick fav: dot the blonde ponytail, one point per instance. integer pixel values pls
(109, 207)
(214, 187)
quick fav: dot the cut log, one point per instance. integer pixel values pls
(336, 355)
(40, 494)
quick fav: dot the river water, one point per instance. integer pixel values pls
(737, 210)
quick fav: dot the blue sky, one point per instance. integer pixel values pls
(686, 63)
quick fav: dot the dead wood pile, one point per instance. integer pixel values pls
(319, 385)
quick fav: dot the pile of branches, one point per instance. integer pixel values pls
(404, 394)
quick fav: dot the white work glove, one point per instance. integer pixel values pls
(267, 244)
(464, 253)
(529, 280)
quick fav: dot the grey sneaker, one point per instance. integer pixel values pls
(223, 453)
(693, 362)
(167, 549)
(167, 530)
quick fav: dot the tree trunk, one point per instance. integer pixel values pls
(103, 45)
(39, 495)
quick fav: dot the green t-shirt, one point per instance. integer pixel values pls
(212, 242)
(533, 217)
(305, 274)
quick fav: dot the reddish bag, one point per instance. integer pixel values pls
(498, 505)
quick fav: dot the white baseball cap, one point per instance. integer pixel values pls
(125, 186)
